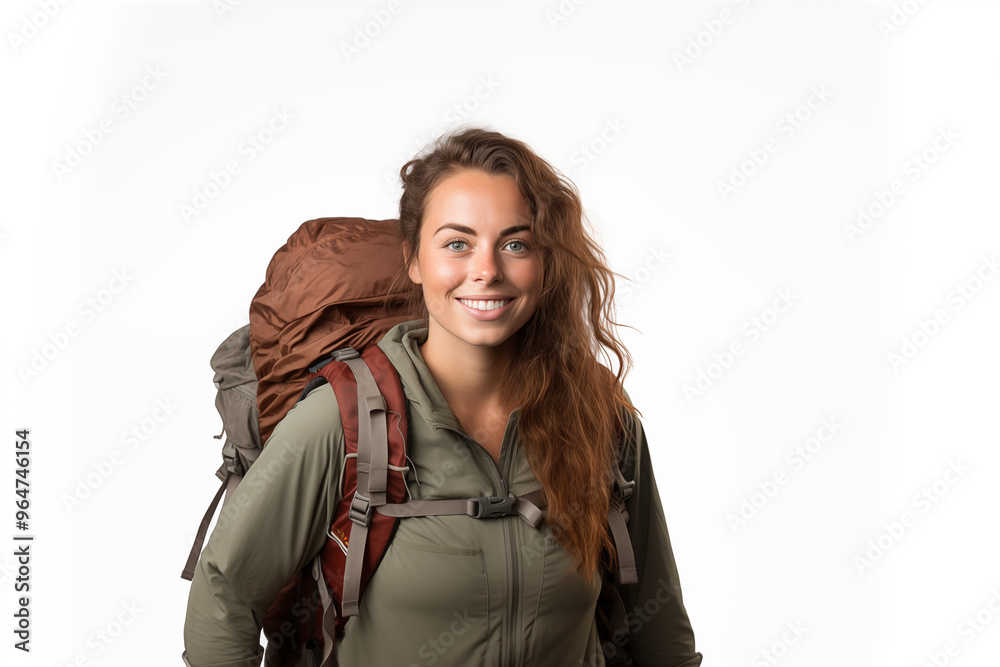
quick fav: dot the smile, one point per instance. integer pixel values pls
(486, 305)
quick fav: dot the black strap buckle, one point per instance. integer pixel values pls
(486, 507)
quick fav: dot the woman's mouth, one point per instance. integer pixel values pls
(486, 309)
(485, 304)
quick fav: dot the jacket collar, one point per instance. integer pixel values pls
(401, 346)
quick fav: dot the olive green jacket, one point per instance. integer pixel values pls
(450, 590)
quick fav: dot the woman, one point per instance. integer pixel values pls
(505, 394)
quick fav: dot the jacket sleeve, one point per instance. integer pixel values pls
(660, 633)
(272, 526)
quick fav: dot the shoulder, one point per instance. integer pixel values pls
(313, 420)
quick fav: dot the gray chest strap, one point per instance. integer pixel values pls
(529, 507)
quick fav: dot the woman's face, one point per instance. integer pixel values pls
(480, 272)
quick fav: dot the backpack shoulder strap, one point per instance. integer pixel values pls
(618, 518)
(373, 413)
(372, 471)
(611, 611)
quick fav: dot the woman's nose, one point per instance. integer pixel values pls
(487, 267)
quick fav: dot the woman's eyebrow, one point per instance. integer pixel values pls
(472, 232)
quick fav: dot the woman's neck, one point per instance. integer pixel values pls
(466, 374)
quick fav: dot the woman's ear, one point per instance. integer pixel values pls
(412, 265)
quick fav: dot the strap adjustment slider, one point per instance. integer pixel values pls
(345, 353)
(361, 509)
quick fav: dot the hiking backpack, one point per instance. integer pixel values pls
(327, 299)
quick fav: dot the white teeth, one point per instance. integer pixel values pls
(485, 305)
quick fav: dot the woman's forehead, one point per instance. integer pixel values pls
(475, 200)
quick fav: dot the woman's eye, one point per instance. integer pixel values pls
(453, 244)
(516, 246)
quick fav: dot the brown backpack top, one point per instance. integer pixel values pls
(301, 314)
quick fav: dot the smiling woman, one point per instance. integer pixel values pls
(480, 273)
(507, 403)
(481, 278)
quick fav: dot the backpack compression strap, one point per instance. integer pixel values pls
(234, 474)
(227, 488)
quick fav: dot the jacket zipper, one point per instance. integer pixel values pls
(511, 535)
(509, 638)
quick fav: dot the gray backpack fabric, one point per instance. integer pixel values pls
(236, 402)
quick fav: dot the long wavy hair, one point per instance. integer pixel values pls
(572, 407)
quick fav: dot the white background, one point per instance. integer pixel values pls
(662, 133)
